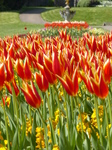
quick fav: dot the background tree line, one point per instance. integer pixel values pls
(18, 4)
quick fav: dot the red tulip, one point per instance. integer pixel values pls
(8, 86)
(27, 71)
(57, 65)
(107, 71)
(93, 44)
(48, 70)
(19, 68)
(100, 87)
(86, 80)
(41, 79)
(70, 84)
(31, 95)
(9, 70)
(23, 71)
(2, 75)
(6, 100)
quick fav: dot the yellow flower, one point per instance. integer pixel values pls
(40, 138)
(1, 137)
(28, 127)
(89, 132)
(49, 134)
(2, 148)
(5, 142)
(55, 147)
(58, 132)
(48, 127)
(50, 141)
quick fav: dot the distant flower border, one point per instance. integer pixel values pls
(63, 24)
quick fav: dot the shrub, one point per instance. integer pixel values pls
(87, 3)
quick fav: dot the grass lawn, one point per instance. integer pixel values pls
(92, 15)
(10, 24)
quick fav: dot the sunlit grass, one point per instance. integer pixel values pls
(11, 24)
(93, 15)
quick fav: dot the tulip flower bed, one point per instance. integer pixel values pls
(74, 33)
(56, 94)
(51, 32)
(64, 24)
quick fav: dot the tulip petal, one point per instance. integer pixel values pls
(28, 98)
(27, 71)
(38, 98)
(2, 75)
(65, 85)
(19, 68)
(75, 81)
(107, 71)
(103, 88)
(96, 87)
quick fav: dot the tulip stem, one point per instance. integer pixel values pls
(41, 117)
(98, 119)
(71, 99)
(50, 114)
(80, 117)
(108, 130)
(30, 114)
(16, 110)
(109, 102)
(45, 127)
(67, 115)
(58, 105)
(7, 133)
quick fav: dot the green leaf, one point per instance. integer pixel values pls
(87, 107)
(15, 141)
(94, 140)
(64, 143)
(79, 142)
(23, 133)
(111, 135)
(11, 119)
(73, 137)
(104, 142)
(86, 143)
(33, 135)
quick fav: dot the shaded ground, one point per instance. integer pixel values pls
(33, 16)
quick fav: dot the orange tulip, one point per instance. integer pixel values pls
(107, 71)
(57, 65)
(86, 80)
(23, 71)
(100, 87)
(8, 86)
(93, 44)
(6, 100)
(9, 70)
(31, 95)
(4, 50)
(2, 75)
(41, 79)
(19, 68)
(70, 84)
(48, 70)
(27, 71)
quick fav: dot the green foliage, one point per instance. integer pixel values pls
(2, 7)
(87, 3)
(50, 2)
(13, 4)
